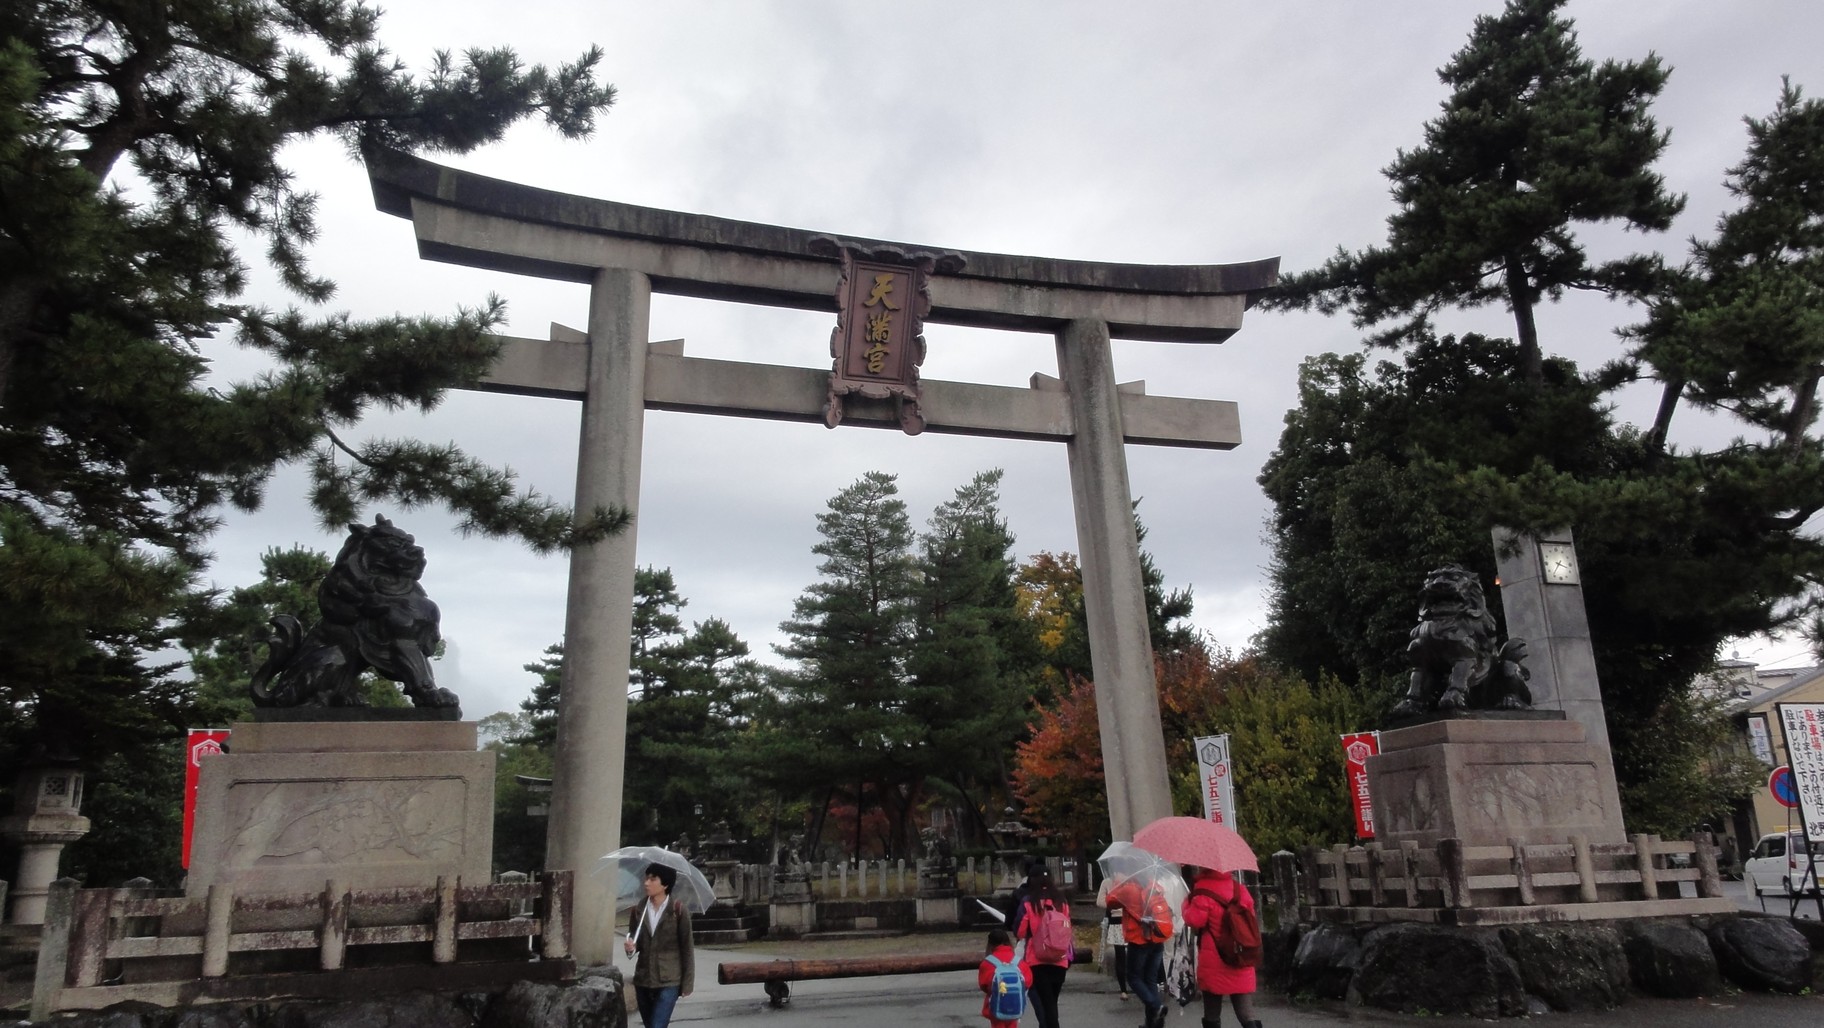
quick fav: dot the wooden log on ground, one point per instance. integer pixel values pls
(782, 970)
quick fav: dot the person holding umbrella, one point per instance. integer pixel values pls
(1211, 850)
(659, 931)
(1211, 893)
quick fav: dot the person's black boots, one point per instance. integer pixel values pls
(1214, 1022)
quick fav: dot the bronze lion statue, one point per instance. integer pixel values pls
(1456, 662)
(375, 615)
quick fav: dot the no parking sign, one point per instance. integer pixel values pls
(1780, 784)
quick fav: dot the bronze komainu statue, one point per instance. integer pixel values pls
(1456, 662)
(375, 615)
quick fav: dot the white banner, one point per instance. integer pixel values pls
(1758, 738)
(1803, 726)
(1214, 772)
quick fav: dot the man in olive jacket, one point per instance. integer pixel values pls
(659, 931)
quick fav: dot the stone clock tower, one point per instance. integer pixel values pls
(1542, 597)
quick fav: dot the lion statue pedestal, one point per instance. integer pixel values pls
(1486, 781)
(376, 804)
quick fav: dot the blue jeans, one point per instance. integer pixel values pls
(1145, 964)
(656, 1004)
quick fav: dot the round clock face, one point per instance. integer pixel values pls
(1559, 562)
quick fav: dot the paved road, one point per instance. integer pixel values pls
(1090, 999)
(1772, 903)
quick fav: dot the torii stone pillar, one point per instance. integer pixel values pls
(585, 822)
(626, 253)
(1120, 647)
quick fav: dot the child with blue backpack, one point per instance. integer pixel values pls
(1004, 981)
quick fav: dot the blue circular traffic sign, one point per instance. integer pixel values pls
(1781, 785)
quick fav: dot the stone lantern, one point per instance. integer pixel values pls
(1010, 836)
(46, 817)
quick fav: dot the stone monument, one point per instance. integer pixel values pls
(939, 901)
(792, 911)
(319, 785)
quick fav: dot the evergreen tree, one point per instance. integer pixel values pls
(1534, 140)
(691, 695)
(838, 719)
(974, 660)
(1370, 486)
(682, 733)
(138, 143)
(656, 604)
(540, 708)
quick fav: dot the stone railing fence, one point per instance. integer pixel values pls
(106, 946)
(887, 879)
(1456, 884)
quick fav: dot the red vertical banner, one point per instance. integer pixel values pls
(201, 744)
(1357, 748)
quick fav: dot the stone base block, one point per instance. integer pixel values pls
(934, 911)
(1488, 782)
(792, 919)
(378, 805)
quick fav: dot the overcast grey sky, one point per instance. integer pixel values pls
(1150, 132)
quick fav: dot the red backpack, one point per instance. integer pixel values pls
(1236, 932)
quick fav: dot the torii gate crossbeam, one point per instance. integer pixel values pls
(626, 253)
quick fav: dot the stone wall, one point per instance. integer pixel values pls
(1523, 969)
(595, 1000)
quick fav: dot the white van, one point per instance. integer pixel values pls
(1778, 864)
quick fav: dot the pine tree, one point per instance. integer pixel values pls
(838, 718)
(138, 143)
(1744, 330)
(1533, 141)
(656, 604)
(540, 707)
(691, 693)
(975, 658)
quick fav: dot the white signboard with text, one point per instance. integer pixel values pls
(1214, 772)
(1803, 727)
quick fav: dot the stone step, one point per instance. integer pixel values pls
(854, 933)
(726, 938)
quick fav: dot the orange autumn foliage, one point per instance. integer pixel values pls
(1057, 772)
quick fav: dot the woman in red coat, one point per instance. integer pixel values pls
(1210, 892)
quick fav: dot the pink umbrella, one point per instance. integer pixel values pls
(1192, 840)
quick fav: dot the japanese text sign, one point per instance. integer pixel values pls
(1215, 775)
(1357, 748)
(200, 744)
(1803, 727)
(878, 343)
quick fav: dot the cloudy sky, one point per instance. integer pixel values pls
(1186, 132)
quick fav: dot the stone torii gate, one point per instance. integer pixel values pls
(627, 253)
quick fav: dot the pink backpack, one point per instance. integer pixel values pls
(1052, 935)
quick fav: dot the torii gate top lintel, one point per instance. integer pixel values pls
(470, 219)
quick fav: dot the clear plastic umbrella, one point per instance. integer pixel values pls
(1136, 877)
(625, 871)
